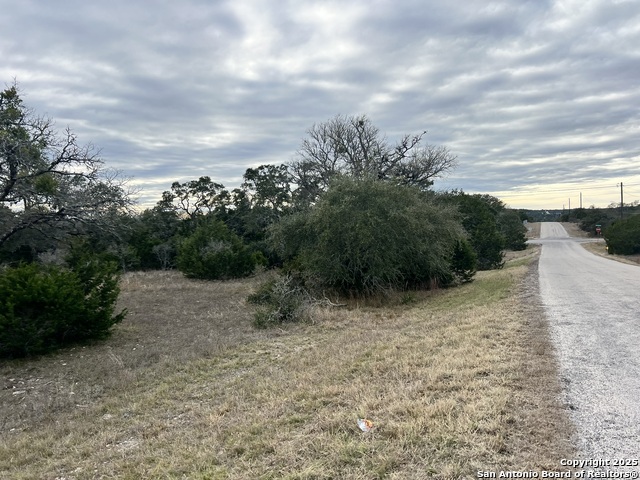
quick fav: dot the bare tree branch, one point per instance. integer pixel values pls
(48, 182)
(353, 146)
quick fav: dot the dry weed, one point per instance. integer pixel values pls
(574, 230)
(533, 230)
(455, 381)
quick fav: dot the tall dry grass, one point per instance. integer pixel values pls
(455, 381)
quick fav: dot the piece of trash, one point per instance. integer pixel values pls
(365, 424)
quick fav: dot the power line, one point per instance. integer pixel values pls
(561, 190)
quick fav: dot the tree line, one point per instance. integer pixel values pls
(352, 214)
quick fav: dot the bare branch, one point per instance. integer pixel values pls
(49, 181)
(353, 146)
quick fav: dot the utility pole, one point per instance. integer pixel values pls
(621, 201)
(580, 200)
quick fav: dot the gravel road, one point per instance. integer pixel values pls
(593, 307)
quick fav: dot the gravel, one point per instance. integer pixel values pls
(593, 307)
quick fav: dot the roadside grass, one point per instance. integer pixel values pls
(455, 381)
(574, 230)
(522, 257)
(600, 248)
(533, 230)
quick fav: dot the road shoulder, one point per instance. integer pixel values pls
(600, 248)
(541, 384)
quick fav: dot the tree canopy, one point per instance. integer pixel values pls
(352, 146)
(50, 185)
(195, 197)
(364, 236)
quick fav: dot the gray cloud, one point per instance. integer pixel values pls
(532, 96)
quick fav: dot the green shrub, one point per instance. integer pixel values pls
(514, 232)
(479, 219)
(281, 300)
(463, 262)
(264, 294)
(623, 237)
(366, 236)
(213, 252)
(46, 307)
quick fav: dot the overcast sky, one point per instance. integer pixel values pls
(539, 100)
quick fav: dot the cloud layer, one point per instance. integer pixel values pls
(538, 99)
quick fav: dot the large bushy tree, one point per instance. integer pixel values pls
(269, 187)
(364, 236)
(263, 198)
(54, 192)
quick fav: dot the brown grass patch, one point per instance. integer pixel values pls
(522, 257)
(455, 381)
(533, 230)
(574, 230)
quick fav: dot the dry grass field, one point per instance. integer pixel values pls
(455, 381)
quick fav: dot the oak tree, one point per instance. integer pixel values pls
(51, 187)
(352, 146)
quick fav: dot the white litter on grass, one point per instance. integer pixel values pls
(365, 424)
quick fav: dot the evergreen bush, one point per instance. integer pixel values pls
(365, 236)
(463, 262)
(514, 232)
(623, 237)
(213, 252)
(44, 307)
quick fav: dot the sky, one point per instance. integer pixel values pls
(538, 100)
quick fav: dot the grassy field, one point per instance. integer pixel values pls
(455, 381)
